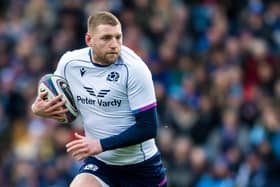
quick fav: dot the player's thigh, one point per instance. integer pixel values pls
(87, 180)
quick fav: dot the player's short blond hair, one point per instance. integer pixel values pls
(101, 18)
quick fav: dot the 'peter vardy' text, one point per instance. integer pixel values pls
(99, 102)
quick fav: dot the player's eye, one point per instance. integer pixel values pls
(106, 37)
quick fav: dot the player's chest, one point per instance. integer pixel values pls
(106, 87)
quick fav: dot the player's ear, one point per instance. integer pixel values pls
(88, 39)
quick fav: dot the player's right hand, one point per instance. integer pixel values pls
(50, 109)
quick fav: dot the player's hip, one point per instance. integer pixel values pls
(129, 155)
(150, 172)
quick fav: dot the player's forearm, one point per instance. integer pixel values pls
(144, 129)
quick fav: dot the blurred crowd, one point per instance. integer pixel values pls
(216, 69)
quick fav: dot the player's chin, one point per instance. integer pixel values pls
(112, 57)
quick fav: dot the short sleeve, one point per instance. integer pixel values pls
(60, 69)
(141, 93)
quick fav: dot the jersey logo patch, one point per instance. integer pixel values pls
(82, 71)
(101, 93)
(98, 99)
(113, 76)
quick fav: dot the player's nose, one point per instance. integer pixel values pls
(114, 43)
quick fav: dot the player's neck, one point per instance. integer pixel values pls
(97, 62)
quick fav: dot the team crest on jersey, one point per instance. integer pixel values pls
(113, 76)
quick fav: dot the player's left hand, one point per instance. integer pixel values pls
(83, 147)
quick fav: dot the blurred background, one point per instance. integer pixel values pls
(216, 69)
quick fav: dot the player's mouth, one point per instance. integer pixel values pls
(112, 53)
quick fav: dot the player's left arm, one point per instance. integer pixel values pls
(144, 129)
(142, 101)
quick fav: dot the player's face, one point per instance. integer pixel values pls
(105, 42)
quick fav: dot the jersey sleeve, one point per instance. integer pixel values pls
(60, 69)
(141, 92)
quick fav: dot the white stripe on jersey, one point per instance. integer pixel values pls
(107, 98)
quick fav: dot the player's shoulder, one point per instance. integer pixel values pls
(132, 60)
(77, 54)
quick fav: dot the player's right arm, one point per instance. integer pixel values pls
(49, 109)
(54, 108)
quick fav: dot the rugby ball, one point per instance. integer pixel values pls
(55, 85)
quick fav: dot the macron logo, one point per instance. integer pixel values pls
(82, 71)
